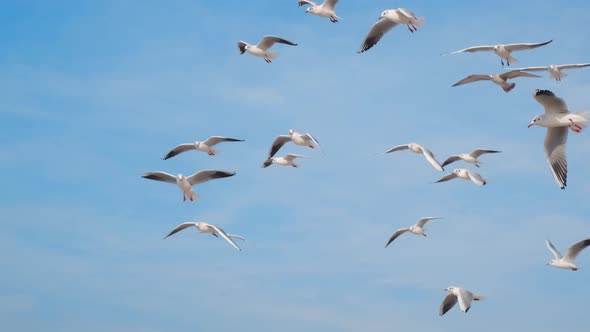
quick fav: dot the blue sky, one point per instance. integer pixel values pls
(93, 94)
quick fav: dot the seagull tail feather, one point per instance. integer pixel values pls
(584, 119)
(419, 21)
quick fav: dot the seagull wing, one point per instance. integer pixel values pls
(450, 160)
(555, 152)
(397, 148)
(234, 236)
(423, 221)
(473, 78)
(181, 227)
(574, 250)
(268, 41)
(220, 232)
(572, 66)
(541, 68)
(465, 298)
(278, 144)
(517, 73)
(242, 46)
(160, 176)
(446, 305)
(447, 177)
(376, 33)
(306, 2)
(396, 235)
(211, 141)
(473, 49)
(291, 157)
(477, 153)
(407, 13)
(550, 102)
(430, 157)
(179, 149)
(524, 46)
(206, 175)
(330, 4)
(555, 252)
(476, 178)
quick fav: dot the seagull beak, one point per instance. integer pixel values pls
(530, 125)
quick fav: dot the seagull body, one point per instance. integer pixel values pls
(417, 148)
(468, 157)
(556, 70)
(295, 137)
(186, 183)
(567, 262)
(387, 21)
(326, 9)
(204, 146)
(288, 160)
(557, 119)
(464, 174)
(204, 227)
(261, 50)
(500, 79)
(461, 295)
(504, 51)
(417, 229)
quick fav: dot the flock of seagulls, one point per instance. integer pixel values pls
(557, 119)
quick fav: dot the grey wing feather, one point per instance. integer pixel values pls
(525, 46)
(207, 175)
(376, 33)
(330, 4)
(447, 177)
(423, 221)
(306, 2)
(473, 78)
(222, 233)
(160, 176)
(574, 250)
(551, 247)
(477, 153)
(396, 235)
(450, 160)
(278, 144)
(446, 305)
(473, 49)
(213, 140)
(179, 149)
(397, 148)
(580, 65)
(550, 102)
(517, 73)
(181, 227)
(555, 141)
(268, 41)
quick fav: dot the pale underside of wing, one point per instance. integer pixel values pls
(330, 4)
(268, 41)
(465, 298)
(376, 33)
(473, 78)
(484, 48)
(407, 13)
(525, 46)
(181, 227)
(449, 301)
(278, 144)
(224, 235)
(423, 221)
(179, 149)
(574, 250)
(291, 157)
(430, 157)
(572, 66)
(160, 176)
(396, 235)
(213, 140)
(555, 142)
(551, 247)
(517, 73)
(447, 177)
(207, 175)
(476, 178)
(398, 148)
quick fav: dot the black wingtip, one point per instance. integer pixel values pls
(540, 92)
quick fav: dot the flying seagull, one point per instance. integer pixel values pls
(555, 70)
(295, 137)
(204, 146)
(261, 49)
(417, 148)
(417, 229)
(288, 160)
(326, 9)
(504, 51)
(500, 79)
(387, 21)
(186, 183)
(567, 262)
(468, 157)
(461, 295)
(557, 118)
(204, 227)
(465, 174)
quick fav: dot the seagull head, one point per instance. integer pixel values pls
(551, 262)
(383, 14)
(456, 171)
(291, 131)
(309, 10)
(198, 143)
(536, 121)
(180, 176)
(449, 289)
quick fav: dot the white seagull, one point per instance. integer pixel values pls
(504, 51)
(465, 174)
(417, 148)
(567, 262)
(417, 229)
(204, 227)
(326, 9)
(461, 295)
(204, 146)
(288, 160)
(557, 118)
(299, 139)
(500, 79)
(186, 183)
(555, 70)
(387, 21)
(468, 157)
(261, 49)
